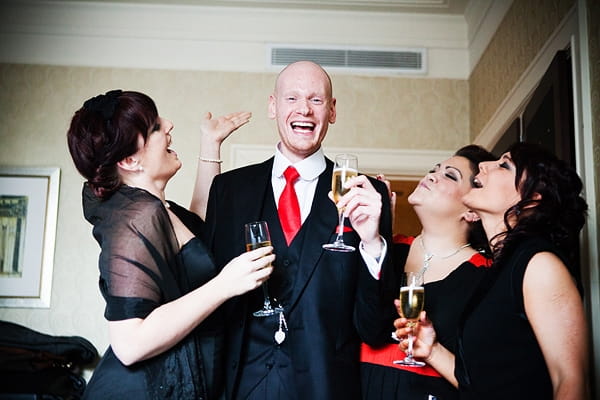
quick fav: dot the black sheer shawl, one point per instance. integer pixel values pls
(139, 271)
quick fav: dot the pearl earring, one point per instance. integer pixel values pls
(140, 169)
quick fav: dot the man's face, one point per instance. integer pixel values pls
(303, 108)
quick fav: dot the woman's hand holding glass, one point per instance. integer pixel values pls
(257, 235)
(247, 271)
(410, 305)
(422, 334)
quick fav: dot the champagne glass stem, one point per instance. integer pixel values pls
(338, 244)
(340, 232)
(409, 350)
(267, 301)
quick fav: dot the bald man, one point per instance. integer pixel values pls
(311, 349)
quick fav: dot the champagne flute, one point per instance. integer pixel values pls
(412, 298)
(257, 235)
(346, 167)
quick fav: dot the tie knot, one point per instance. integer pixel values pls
(291, 174)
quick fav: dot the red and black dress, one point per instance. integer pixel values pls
(444, 302)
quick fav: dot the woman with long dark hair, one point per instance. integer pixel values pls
(523, 334)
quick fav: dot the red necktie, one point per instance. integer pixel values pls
(289, 208)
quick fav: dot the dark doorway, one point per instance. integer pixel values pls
(406, 221)
(548, 117)
(510, 136)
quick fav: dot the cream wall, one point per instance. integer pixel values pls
(519, 38)
(37, 102)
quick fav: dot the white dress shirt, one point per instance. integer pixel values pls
(309, 169)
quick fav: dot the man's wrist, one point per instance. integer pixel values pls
(373, 247)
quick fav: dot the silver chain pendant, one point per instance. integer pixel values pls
(279, 336)
(280, 333)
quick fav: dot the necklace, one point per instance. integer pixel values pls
(427, 256)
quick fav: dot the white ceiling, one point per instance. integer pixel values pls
(235, 35)
(448, 7)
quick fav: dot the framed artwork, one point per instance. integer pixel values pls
(28, 214)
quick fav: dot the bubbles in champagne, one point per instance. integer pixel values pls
(340, 176)
(254, 246)
(412, 299)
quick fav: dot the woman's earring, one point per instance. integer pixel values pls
(140, 169)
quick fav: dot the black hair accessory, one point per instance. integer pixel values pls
(104, 104)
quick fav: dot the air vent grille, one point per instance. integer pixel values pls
(400, 61)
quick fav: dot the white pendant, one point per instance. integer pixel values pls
(279, 336)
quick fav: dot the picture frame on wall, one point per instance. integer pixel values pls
(28, 216)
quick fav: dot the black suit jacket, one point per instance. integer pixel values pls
(323, 343)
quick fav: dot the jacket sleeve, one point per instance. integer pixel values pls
(374, 311)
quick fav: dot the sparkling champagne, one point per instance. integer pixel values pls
(254, 246)
(340, 176)
(257, 235)
(412, 299)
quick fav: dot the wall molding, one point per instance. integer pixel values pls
(513, 103)
(483, 18)
(196, 37)
(410, 164)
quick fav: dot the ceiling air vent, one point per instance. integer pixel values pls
(408, 61)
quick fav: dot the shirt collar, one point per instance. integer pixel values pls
(310, 168)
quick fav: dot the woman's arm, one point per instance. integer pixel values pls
(555, 310)
(137, 339)
(213, 131)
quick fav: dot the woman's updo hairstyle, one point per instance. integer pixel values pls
(105, 131)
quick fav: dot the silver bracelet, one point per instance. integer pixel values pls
(210, 160)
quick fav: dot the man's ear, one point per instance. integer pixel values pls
(471, 216)
(333, 111)
(271, 112)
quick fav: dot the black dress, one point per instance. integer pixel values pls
(498, 355)
(444, 302)
(141, 268)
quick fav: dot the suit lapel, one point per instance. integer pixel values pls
(255, 186)
(320, 225)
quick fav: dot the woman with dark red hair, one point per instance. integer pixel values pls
(159, 282)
